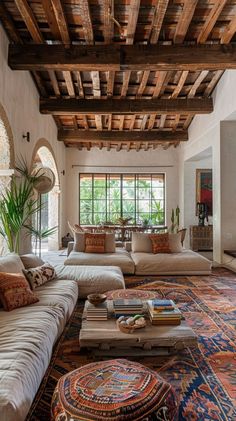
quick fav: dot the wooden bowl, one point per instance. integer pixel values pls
(125, 328)
(96, 299)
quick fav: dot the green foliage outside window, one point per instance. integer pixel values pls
(106, 197)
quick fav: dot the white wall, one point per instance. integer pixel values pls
(20, 100)
(121, 162)
(205, 132)
(228, 180)
(190, 217)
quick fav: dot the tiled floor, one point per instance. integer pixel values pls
(55, 257)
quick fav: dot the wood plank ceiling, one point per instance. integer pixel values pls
(156, 116)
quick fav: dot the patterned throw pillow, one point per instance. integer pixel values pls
(160, 243)
(40, 275)
(94, 243)
(15, 291)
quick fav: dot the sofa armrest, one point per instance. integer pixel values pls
(70, 247)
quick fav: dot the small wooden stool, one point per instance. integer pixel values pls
(113, 390)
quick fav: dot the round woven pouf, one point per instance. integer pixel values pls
(115, 390)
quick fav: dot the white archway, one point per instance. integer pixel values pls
(6, 158)
(45, 156)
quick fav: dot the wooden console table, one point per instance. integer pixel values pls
(201, 237)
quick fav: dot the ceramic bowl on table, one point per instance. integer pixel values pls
(96, 299)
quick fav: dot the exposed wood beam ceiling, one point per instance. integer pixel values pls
(128, 135)
(125, 106)
(115, 74)
(122, 57)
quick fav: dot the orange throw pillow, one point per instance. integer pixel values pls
(94, 243)
(160, 243)
(15, 291)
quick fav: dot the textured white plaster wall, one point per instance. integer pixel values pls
(121, 162)
(20, 100)
(228, 181)
(205, 132)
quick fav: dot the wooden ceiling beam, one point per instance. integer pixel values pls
(213, 83)
(211, 20)
(108, 13)
(9, 25)
(184, 21)
(61, 21)
(180, 85)
(30, 21)
(74, 136)
(122, 57)
(110, 83)
(125, 106)
(69, 84)
(87, 21)
(132, 20)
(143, 83)
(158, 18)
(51, 18)
(229, 32)
(197, 83)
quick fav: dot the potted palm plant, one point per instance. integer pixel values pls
(18, 204)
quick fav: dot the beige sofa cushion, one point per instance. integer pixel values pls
(92, 279)
(31, 261)
(175, 243)
(27, 336)
(79, 244)
(11, 263)
(185, 263)
(141, 243)
(120, 258)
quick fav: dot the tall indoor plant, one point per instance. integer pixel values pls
(18, 204)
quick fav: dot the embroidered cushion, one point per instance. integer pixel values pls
(79, 242)
(94, 243)
(118, 390)
(40, 275)
(160, 243)
(15, 291)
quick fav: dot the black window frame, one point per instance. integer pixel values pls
(136, 199)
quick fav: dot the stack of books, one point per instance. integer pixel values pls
(98, 312)
(127, 306)
(163, 312)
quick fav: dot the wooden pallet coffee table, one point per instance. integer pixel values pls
(104, 338)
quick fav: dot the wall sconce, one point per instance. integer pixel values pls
(26, 136)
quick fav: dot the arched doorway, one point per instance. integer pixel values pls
(6, 159)
(50, 212)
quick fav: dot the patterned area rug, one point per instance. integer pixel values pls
(204, 378)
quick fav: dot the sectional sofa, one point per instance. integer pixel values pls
(28, 334)
(140, 260)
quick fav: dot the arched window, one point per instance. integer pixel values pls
(6, 158)
(50, 212)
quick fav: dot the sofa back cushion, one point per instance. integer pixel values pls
(11, 263)
(31, 261)
(94, 243)
(160, 243)
(79, 245)
(15, 291)
(141, 243)
(175, 242)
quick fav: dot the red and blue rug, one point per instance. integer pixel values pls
(204, 378)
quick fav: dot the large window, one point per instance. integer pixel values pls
(106, 197)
